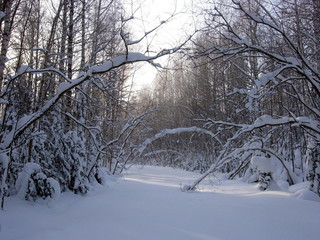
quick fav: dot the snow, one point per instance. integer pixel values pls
(269, 120)
(117, 61)
(63, 87)
(40, 49)
(301, 191)
(293, 61)
(23, 69)
(165, 132)
(22, 181)
(7, 139)
(263, 164)
(131, 42)
(4, 160)
(56, 188)
(147, 203)
(23, 120)
(2, 14)
(3, 101)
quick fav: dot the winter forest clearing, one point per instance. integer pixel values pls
(148, 204)
(235, 94)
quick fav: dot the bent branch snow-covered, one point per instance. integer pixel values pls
(59, 93)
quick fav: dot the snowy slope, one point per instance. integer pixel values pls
(147, 204)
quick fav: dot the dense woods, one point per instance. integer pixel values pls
(66, 108)
(252, 81)
(51, 132)
(241, 96)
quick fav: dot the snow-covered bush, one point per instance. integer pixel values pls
(32, 184)
(264, 168)
(194, 162)
(102, 175)
(264, 180)
(73, 156)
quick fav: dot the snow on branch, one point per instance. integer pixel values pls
(267, 120)
(298, 61)
(261, 122)
(133, 42)
(302, 100)
(165, 132)
(109, 65)
(90, 129)
(259, 19)
(27, 69)
(2, 15)
(131, 124)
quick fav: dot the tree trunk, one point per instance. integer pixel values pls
(316, 27)
(70, 59)
(83, 33)
(6, 34)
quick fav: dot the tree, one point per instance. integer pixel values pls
(59, 127)
(7, 16)
(289, 70)
(254, 84)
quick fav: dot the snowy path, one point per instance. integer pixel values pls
(148, 205)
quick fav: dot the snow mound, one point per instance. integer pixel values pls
(23, 178)
(283, 185)
(103, 176)
(306, 194)
(55, 194)
(302, 191)
(273, 186)
(32, 183)
(263, 164)
(186, 188)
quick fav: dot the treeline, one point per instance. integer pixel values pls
(251, 79)
(65, 112)
(241, 96)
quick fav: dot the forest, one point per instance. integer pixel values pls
(239, 95)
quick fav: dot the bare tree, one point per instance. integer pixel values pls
(292, 67)
(256, 61)
(41, 136)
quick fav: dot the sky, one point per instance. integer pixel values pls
(147, 15)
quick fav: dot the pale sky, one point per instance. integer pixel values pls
(147, 15)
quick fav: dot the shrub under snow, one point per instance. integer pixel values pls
(265, 167)
(32, 183)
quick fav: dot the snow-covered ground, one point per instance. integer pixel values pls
(147, 204)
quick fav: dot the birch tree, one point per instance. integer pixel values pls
(261, 56)
(60, 140)
(291, 68)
